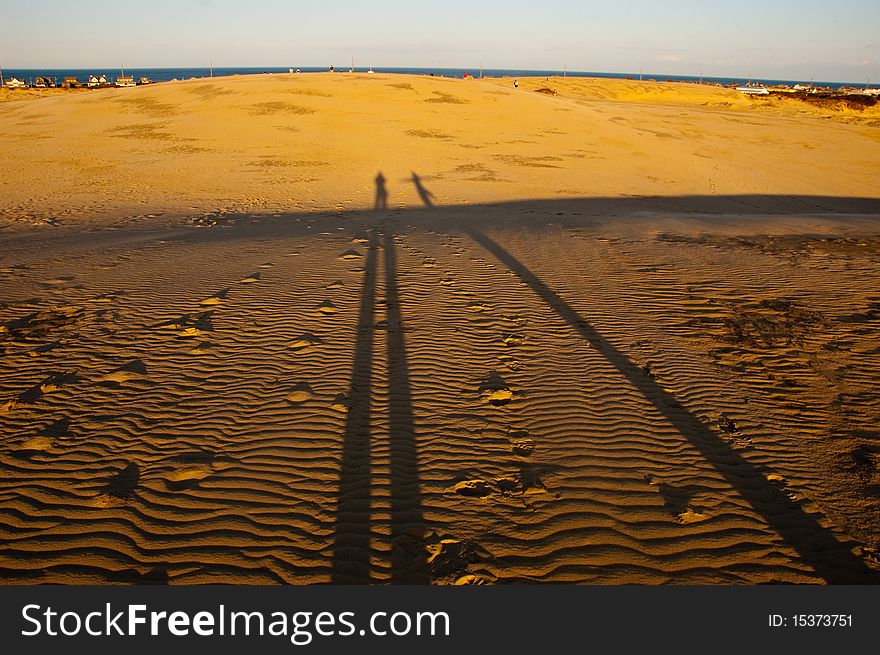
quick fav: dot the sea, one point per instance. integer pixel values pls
(170, 74)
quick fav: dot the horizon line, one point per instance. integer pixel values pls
(342, 69)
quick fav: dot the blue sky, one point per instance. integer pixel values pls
(838, 41)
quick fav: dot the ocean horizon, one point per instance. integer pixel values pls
(171, 74)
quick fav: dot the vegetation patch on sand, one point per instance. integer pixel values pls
(147, 131)
(428, 134)
(310, 92)
(149, 106)
(274, 162)
(531, 162)
(208, 91)
(482, 172)
(440, 96)
(273, 108)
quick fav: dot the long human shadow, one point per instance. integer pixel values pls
(351, 539)
(381, 192)
(425, 195)
(815, 544)
(407, 523)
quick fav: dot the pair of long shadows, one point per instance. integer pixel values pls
(816, 545)
(351, 550)
(382, 191)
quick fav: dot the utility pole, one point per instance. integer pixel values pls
(2, 83)
(211, 66)
(564, 70)
(701, 77)
(641, 73)
(481, 72)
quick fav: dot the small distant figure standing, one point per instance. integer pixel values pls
(516, 84)
(424, 194)
(331, 68)
(381, 192)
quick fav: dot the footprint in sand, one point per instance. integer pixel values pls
(447, 555)
(494, 390)
(447, 282)
(472, 580)
(478, 307)
(473, 488)
(327, 308)
(335, 285)
(123, 483)
(202, 348)
(59, 429)
(521, 444)
(266, 265)
(33, 446)
(511, 363)
(342, 402)
(513, 339)
(304, 343)
(216, 299)
(351, 253)
(50, 384)
(680, 501)
(192, 325)
(522, 484)
(188, 469)
(300, 393)
(133, 370)
(187, 476)
(250, 279)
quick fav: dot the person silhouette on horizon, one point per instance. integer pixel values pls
(424, 194)
(381, 192)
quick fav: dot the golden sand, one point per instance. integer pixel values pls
(280, 143)
(633, 339)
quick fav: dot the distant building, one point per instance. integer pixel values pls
(125, 81)
(95, 81)
(45, 83)
(70, 83)
(15, 83)
(145, 80)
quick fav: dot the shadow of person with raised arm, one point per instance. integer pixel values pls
(381, 192)
(424, 194)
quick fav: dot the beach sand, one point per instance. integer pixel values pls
(604, 332)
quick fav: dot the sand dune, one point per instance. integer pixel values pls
(253, 377)
(201, 149)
